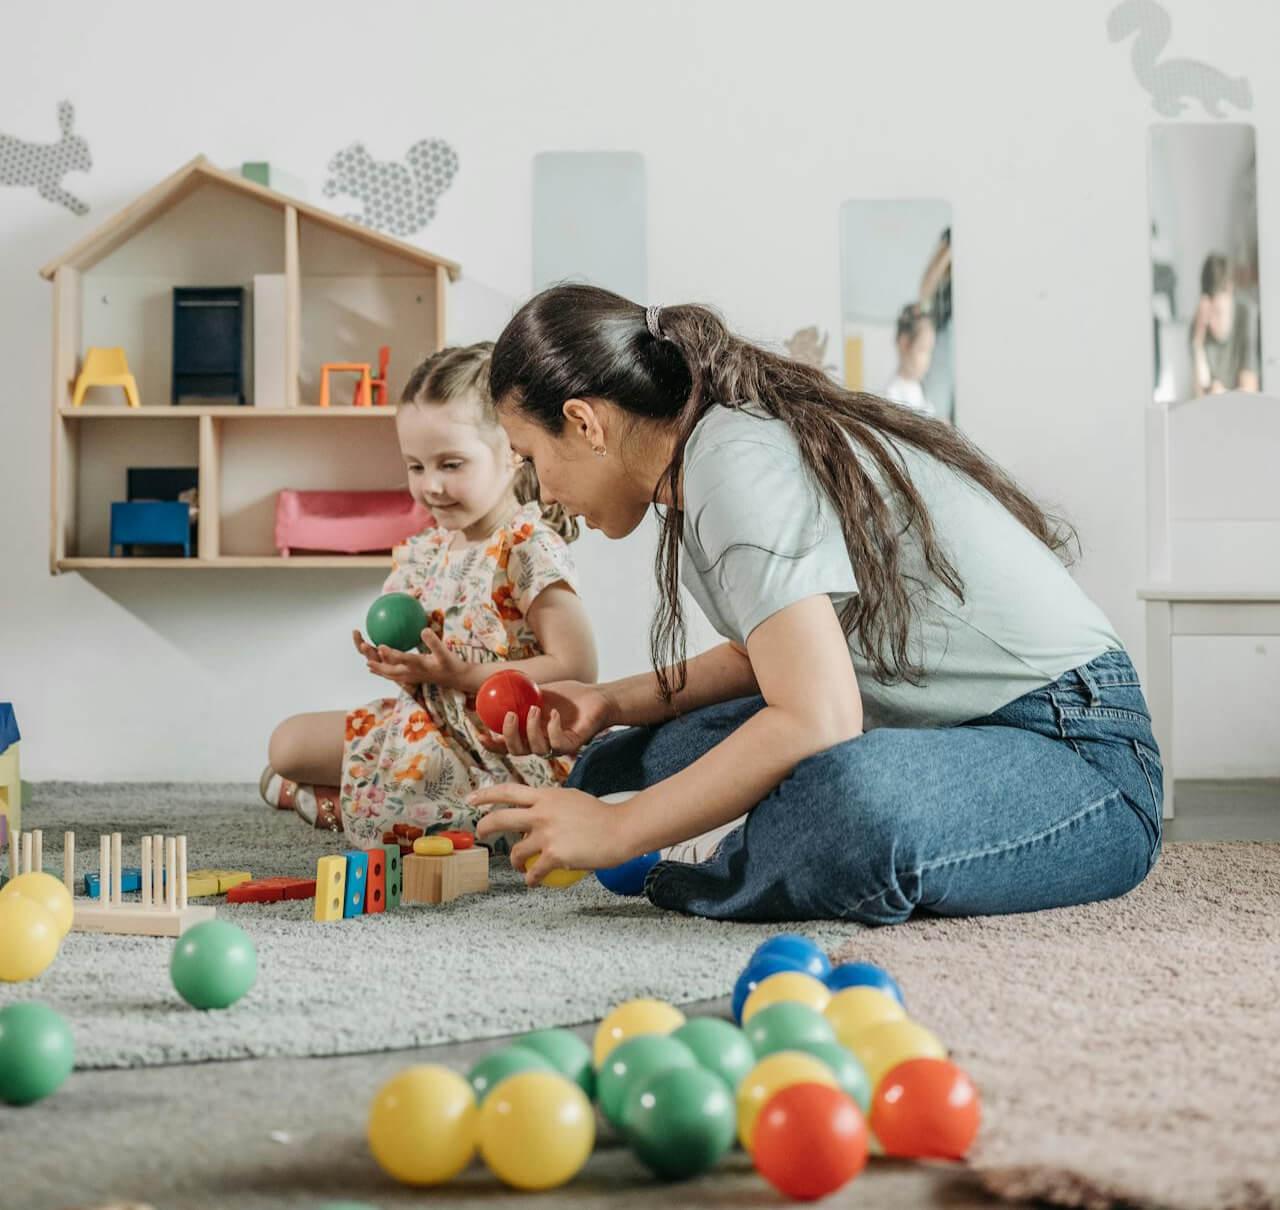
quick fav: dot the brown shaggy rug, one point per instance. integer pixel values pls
(1128, 1053)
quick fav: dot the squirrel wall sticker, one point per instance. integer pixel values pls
(399, 198)
(41, 166)
(1172, 83)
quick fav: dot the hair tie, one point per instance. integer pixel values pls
(652, 316)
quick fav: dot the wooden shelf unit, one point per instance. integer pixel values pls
(347, 290)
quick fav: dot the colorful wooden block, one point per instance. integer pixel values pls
(130, 880)
(264, 891)
(432, 879)
(331, 885)
(375, 890)
(395, 875)
(224, 880)
(357, 878)
(298, 888)
(201, 887)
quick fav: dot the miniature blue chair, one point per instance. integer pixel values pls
(151, 523)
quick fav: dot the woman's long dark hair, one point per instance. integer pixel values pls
(582, 342)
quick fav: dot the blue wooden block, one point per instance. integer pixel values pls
(357, 876)
(151, 523)
(130, 880)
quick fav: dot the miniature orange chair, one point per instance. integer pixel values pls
(105, 368)
(380, 382)
(346, 367)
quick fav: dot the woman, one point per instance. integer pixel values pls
(915, 706)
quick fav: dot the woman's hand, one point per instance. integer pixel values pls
(566, 829)
(571, 714)
(436, 665)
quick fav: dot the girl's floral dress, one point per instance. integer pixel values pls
(413, 759)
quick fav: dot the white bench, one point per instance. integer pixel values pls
(1213, 535)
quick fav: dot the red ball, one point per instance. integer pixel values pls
(810, 1139)
(507, 692)
(926, 1109)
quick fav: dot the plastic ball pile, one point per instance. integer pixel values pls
(819, 1067)
(212, 966)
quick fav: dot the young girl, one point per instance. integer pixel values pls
(496, 581)
(915, 707)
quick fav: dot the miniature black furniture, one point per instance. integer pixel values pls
(208, 343)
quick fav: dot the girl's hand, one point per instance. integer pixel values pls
(567, 829)
(571, 714)
(437, 665)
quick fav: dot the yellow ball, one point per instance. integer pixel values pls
(771, 1075)
(433, 846)
(537, 1129)
(29, 938)
(857, 1008)
(882, 1047)
(423, 1125)
(47, 891)
(631, 1019)
(787, 985)
(558, 877)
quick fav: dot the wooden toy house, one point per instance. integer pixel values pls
(342, 292)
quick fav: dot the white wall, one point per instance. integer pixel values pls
(757, 120)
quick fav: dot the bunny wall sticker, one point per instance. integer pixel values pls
(1172, 83)
(399, 198)
(41, 166)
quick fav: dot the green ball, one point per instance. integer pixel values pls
(844, 1065)
(781, 1026)
(213, 964)
(680, 1121)
(567, 1053)
(636, 1059)
(719, 1047)
(490, 1071)
(396, 620)
(37, 1052)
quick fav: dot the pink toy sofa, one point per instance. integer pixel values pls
(348, 522)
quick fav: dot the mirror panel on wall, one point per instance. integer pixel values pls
(1205, 297)
(589, 220)
(897, 303)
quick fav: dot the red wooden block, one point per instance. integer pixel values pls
(407, 832)
(375, 887)
(461, 840)
(391, 837)
(264, 891)
(298, 888)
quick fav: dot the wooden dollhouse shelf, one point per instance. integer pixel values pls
(331, 291)
(274, 562)
(222, 411)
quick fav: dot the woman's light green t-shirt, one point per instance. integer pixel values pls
(759, 535)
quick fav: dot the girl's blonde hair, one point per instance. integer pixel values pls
(462, 372)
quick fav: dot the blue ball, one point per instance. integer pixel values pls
(758, 970)
(804, 954)
(628, 878)
(864, 974)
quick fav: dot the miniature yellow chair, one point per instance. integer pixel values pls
(105, 368)
(347, 367)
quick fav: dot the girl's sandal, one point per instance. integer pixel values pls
(328, 808)
(277, 791)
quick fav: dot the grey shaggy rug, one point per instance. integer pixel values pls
(482, 966)
(1128, 1053)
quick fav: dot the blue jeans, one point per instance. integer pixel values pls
(1055, 799)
